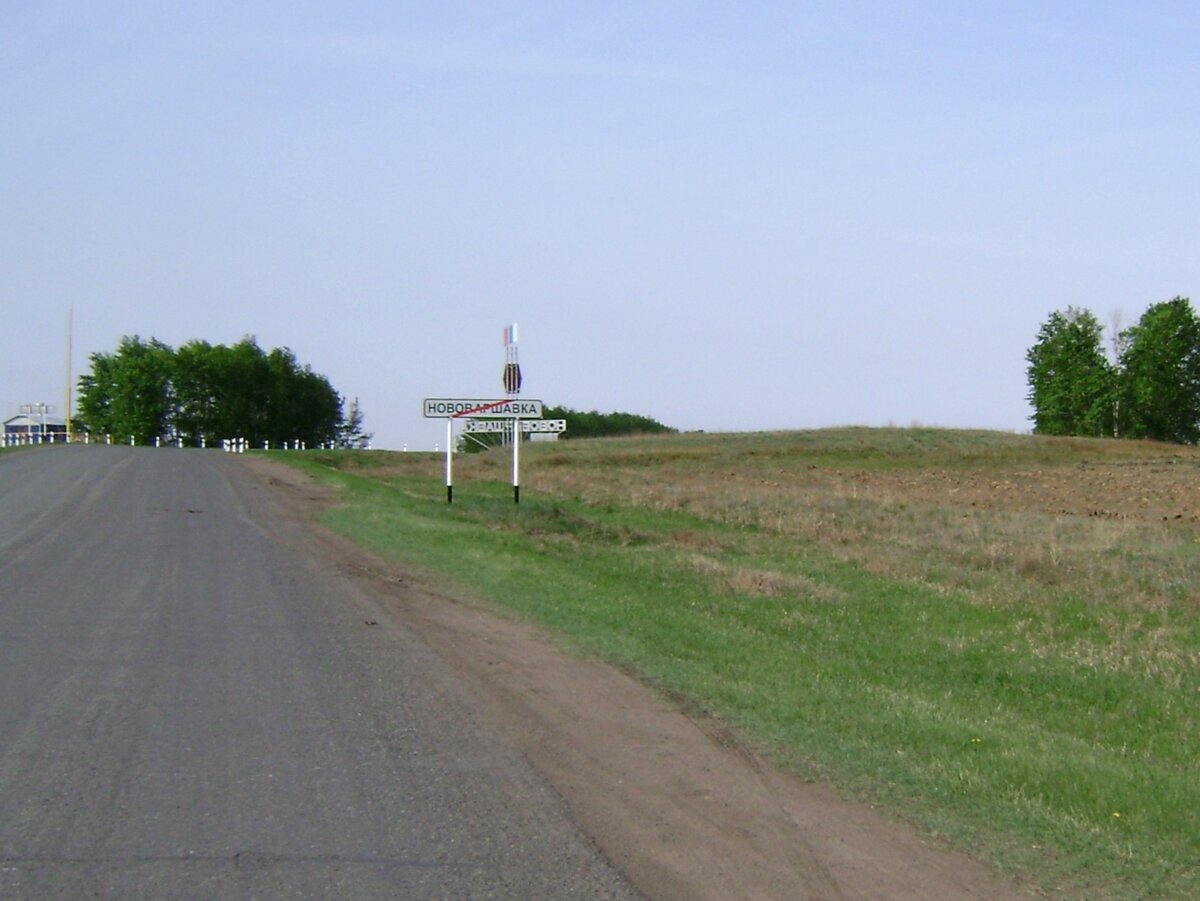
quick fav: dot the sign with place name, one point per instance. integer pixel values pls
(476, 426)
(476, 408)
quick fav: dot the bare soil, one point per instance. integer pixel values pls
(682, 808)
(1149, 491)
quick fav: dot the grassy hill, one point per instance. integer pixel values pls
(995, 637)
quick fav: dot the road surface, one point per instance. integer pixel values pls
(191, 706)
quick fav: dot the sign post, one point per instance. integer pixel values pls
(511, 379)
(481, 412)
(510, 416)
(449, 461)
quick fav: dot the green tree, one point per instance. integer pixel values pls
(205, 392)
(243, 377)
(196, 393)
(600, 425)
(1160, 374)
(302, 403)
(128, 392)
(1071, 382)
(350, 432)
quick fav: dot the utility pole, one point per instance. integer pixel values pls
(70, 331)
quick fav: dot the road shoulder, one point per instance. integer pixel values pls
(675, 802)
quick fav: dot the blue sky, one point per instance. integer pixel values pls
(726, 216)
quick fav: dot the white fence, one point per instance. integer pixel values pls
(229, 445)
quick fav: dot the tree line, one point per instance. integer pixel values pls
(202, 393)
(1147, 386)
(604, 425)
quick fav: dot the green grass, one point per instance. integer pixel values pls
(1021, 682)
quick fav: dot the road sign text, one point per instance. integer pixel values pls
(475, 408)
(476, 426)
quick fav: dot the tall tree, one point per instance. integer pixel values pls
(350, 429)
(1071, 382)
(1160, 374)
(128, 392)
(205, 392)
(196, 393)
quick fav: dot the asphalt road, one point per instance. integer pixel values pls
(192, 707)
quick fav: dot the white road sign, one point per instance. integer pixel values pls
(476, 408)
(543, 425)
(527, 425)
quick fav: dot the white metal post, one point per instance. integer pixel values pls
(516, 461)
(449, 459)
(512, 387)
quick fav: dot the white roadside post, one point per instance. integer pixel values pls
(449, 460)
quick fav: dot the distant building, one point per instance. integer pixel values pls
(24, 428)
